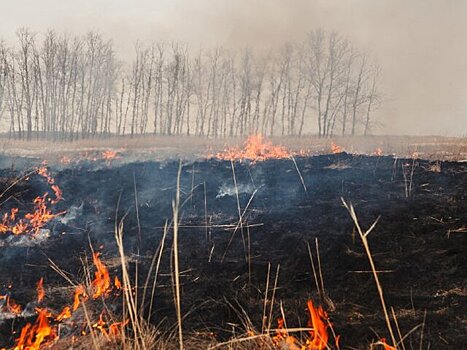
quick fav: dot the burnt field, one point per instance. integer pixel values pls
(245, 233)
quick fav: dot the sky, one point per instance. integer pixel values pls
(421, 45)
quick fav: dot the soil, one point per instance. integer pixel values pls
(419, 244)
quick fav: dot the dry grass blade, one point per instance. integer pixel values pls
(363, 236)
(176, 206)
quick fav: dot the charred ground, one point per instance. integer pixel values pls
(419, 243)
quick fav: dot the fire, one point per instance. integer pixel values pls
(255, 149)
(111, 331)
(33, 221)
(318, 340)
(80, 292)
(33, 336)
(66, 313)
(318, 321)
(117, 283)
(378, 152)
(101, 282)
(41, 214)
(40, 290)
(109, 156)
(9, 305)
(336, 149)
(282, 337)
(385, 345)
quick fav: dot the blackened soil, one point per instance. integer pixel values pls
(419, 244)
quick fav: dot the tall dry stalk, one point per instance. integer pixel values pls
(364, 238)
(176, 207)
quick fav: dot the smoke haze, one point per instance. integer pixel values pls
(421, 45)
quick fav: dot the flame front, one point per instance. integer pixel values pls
(255, 149)
(336, 149)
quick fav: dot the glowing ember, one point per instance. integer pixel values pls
(33, 336)
(40, 290)
(336, 149)
(255, 149)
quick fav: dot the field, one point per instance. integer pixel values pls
(233, 246)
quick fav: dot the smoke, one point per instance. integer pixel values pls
(420, 44)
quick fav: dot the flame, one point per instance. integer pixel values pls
(79, 292)
(117, 283)
(33, 221)
(111, 331)
(255, 149)
(109, 156)
(101, 282)
(336, 149)
(40, 290)
(10, 305)
(318, 321)
(66, 313)
(385, 345)
(318, 340)
(33, 336)
(282, 337)
(378, 152)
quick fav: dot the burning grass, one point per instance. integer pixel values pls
(105, 311)
(255, 149)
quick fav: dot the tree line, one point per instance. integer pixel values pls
(72, 87)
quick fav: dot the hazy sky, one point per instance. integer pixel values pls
(420, 44)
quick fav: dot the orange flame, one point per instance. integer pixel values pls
(336, 149)
(66, 313)
(385, 345)
(109, 156)
(101, 282)
(318, 340)
(33, 336)
(117, 283)
(318, 321)
(112, 331)
(80, 292)
(40, 290)
(255, 149)
(378, 152)
(41, 214)
(10, 305)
